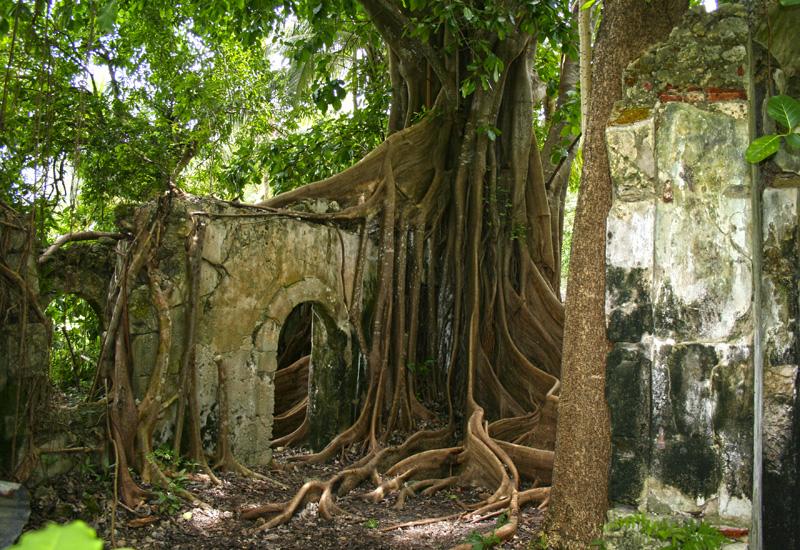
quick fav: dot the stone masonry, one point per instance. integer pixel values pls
(255, 269)
(680, 285)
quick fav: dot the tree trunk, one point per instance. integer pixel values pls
(465, 183)
(583, 446)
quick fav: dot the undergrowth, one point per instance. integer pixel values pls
(640, 531)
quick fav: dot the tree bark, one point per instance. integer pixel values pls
(583, 446)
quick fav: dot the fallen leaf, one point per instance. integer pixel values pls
(141, 522)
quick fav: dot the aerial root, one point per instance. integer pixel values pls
(161, 479)
(484, 512)
(439, 484)
(389, 486)
(427, 487)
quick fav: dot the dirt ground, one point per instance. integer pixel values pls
(165, 522)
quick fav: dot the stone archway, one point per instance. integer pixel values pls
(331, 380)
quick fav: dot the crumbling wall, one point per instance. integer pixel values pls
(82, 268)
(256, 267)
(680, 286)
(24, 337)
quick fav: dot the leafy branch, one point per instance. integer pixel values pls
(785, 111)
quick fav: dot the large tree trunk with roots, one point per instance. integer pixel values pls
(468, 251)
(583, 447)
(468, 232)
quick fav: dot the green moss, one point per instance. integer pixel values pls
(668, 315)
(628, 396)
(629, 116)
(628, 391)
(732, 385)
(689, 365)
(629, 465)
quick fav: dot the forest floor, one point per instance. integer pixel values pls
(166, 522)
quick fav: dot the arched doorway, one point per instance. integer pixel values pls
(75, 345)
(291, 379)
(316, 382)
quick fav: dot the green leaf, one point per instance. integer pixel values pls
(587, 5)
(790, 2)
(60, 537)
(785, 110)
(793, 140)
(467, 87)
(107, 17)
(762, 148)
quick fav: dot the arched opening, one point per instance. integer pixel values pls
(75, 344)
(316, 381)
(291, 378)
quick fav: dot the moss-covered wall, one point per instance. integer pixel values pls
(679, 277)
(24, 339)
(776, 52)
(680, 285)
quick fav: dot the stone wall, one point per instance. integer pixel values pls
(680, 286)
(24, 339)
(255, 269)
(84, 269)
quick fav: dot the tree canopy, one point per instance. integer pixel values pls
(112, 102)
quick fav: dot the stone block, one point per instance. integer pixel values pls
(703, 288)
(267, 335)
(629, 309)
(629, 234)
(209, 279)
(781, 270)
(141, 313)
(781, 474)
(628, 374)
(632, 159)
(702, 422)
(228, 328)
(214, 249)
(629, 468)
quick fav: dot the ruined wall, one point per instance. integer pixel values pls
(24, 338)
(255, 269)
(680, 286)
(81, 268)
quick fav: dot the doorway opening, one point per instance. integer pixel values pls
(290, 423)
(75, 345)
